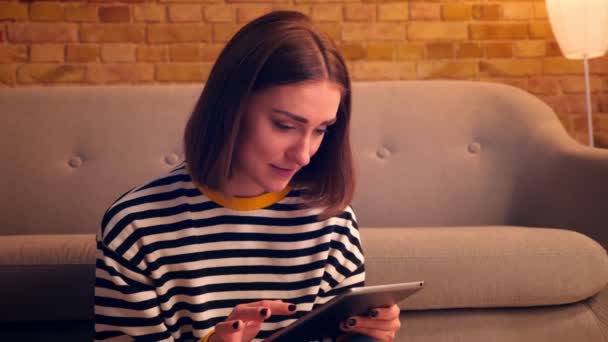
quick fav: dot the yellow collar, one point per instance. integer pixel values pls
(241, 203)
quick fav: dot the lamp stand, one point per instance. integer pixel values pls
(588, 92)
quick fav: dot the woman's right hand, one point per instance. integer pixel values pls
(245, 321)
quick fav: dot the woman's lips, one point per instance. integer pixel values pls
(283, 172)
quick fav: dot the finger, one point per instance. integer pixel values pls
(230, 331)
(385, 314)
(277, 307)
(371, 323)
(250, 313)
(378, 335)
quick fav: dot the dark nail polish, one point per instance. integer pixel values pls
(373, 313)
(292, 307)
(235, 325)
(352, 322)
(264, 312)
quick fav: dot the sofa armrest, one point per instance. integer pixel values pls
(563, 185)
(599, 306)
(486, 266)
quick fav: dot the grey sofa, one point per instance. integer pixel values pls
(474, 188)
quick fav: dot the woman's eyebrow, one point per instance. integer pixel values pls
(300, 118)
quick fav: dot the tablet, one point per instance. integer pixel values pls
(324, 321)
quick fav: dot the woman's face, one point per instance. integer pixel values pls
(282, 128)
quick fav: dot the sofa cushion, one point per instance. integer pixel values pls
(492, 266)
(47, 277)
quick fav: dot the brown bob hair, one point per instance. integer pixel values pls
(278, 48)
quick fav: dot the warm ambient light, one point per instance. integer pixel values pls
(581, 30)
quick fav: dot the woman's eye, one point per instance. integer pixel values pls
(321, 131)
(282, 126)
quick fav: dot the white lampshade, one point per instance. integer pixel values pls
(580, 26)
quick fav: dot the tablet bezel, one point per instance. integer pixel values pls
(357, 301)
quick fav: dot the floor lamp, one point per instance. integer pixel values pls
(581, 30)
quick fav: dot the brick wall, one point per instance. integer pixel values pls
(159, 41)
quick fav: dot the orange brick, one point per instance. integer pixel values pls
(112, 33)
(529, 48)
(152, 53)
(47, 53)
(425, 11)
(305, 9)
(118, 53)
(410, 51)
(13, 11)
(13, 53)
(440, 50)
(435, 30)
(185, 53)
(397, 11)
(562, 66)
(219, 14)
(326, 12)
(223, 32)
(186, 12)
(540, 10)
(380, 51)
(541, 30)
(179, 33)
(552, 49)
(120, 73)
(50, 73)
(43, 33)
(247, 12)
(149, 13)
(373, 31)
(359, 12)
(517, 10)
(499, 50)
(8, 75)
(332, 29)
(81, 12)
(210, 52)
(82, 53)
(498, 31)
(543, 86)
(458, 70)
(520, 83)
(486, 12)
(599, 66)
(576, 85)
(511, 67)
(115, 14)
(469, 50)
(183, 72)
(376, 70)
(190, 1)
(43, 11)
(352, 51)
(456, 11)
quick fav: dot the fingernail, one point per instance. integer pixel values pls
(291, 307)
(235, 325)
(352, 322)
(264, 312)
(373, 313)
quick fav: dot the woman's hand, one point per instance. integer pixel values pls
(245, 321)
(380, 324)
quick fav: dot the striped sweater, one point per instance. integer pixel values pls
(174, 259)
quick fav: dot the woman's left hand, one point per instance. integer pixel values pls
(380, 324)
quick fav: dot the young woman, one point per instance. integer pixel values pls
(254, 229)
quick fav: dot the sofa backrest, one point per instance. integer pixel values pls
(427, 152)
